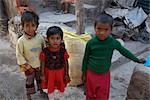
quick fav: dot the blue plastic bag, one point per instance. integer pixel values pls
(147, 63)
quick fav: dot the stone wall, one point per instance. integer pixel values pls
(139, 87)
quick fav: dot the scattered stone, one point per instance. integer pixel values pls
(139, 87)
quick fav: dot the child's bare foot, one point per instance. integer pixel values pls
(29, 97)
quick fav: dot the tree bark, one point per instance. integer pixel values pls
(80, 23)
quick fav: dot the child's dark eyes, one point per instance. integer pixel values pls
(26, 25)
(100, 29)
(51, 38)
(33, 25)
(57, 38)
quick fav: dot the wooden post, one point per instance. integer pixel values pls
(80, 23)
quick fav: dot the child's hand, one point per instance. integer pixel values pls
(141, 61)
(42, 77)
(25, 67)
(67, 77)
(31, 70)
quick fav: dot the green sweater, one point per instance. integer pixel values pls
(98, 54)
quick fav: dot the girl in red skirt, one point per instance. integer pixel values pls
(54, 63)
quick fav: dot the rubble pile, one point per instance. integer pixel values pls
(131, 21)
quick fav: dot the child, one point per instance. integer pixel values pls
(54, 60)
(64, 6)
(24, 5)
(28, 49)
(97, 59)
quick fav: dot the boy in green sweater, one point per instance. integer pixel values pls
(97, 59)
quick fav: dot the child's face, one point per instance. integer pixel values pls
(55, 41)
(30, 28)
(102, 30)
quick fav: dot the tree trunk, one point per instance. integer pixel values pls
(80, 25)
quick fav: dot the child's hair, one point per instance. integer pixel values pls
(105, 19)
(54, 30)
(29, 16)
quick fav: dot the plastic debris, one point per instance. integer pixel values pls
(147, 63)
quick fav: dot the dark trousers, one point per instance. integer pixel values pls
(30, 77)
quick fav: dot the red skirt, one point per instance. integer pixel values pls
(54, 79)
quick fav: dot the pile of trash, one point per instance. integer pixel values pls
(132, 20)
